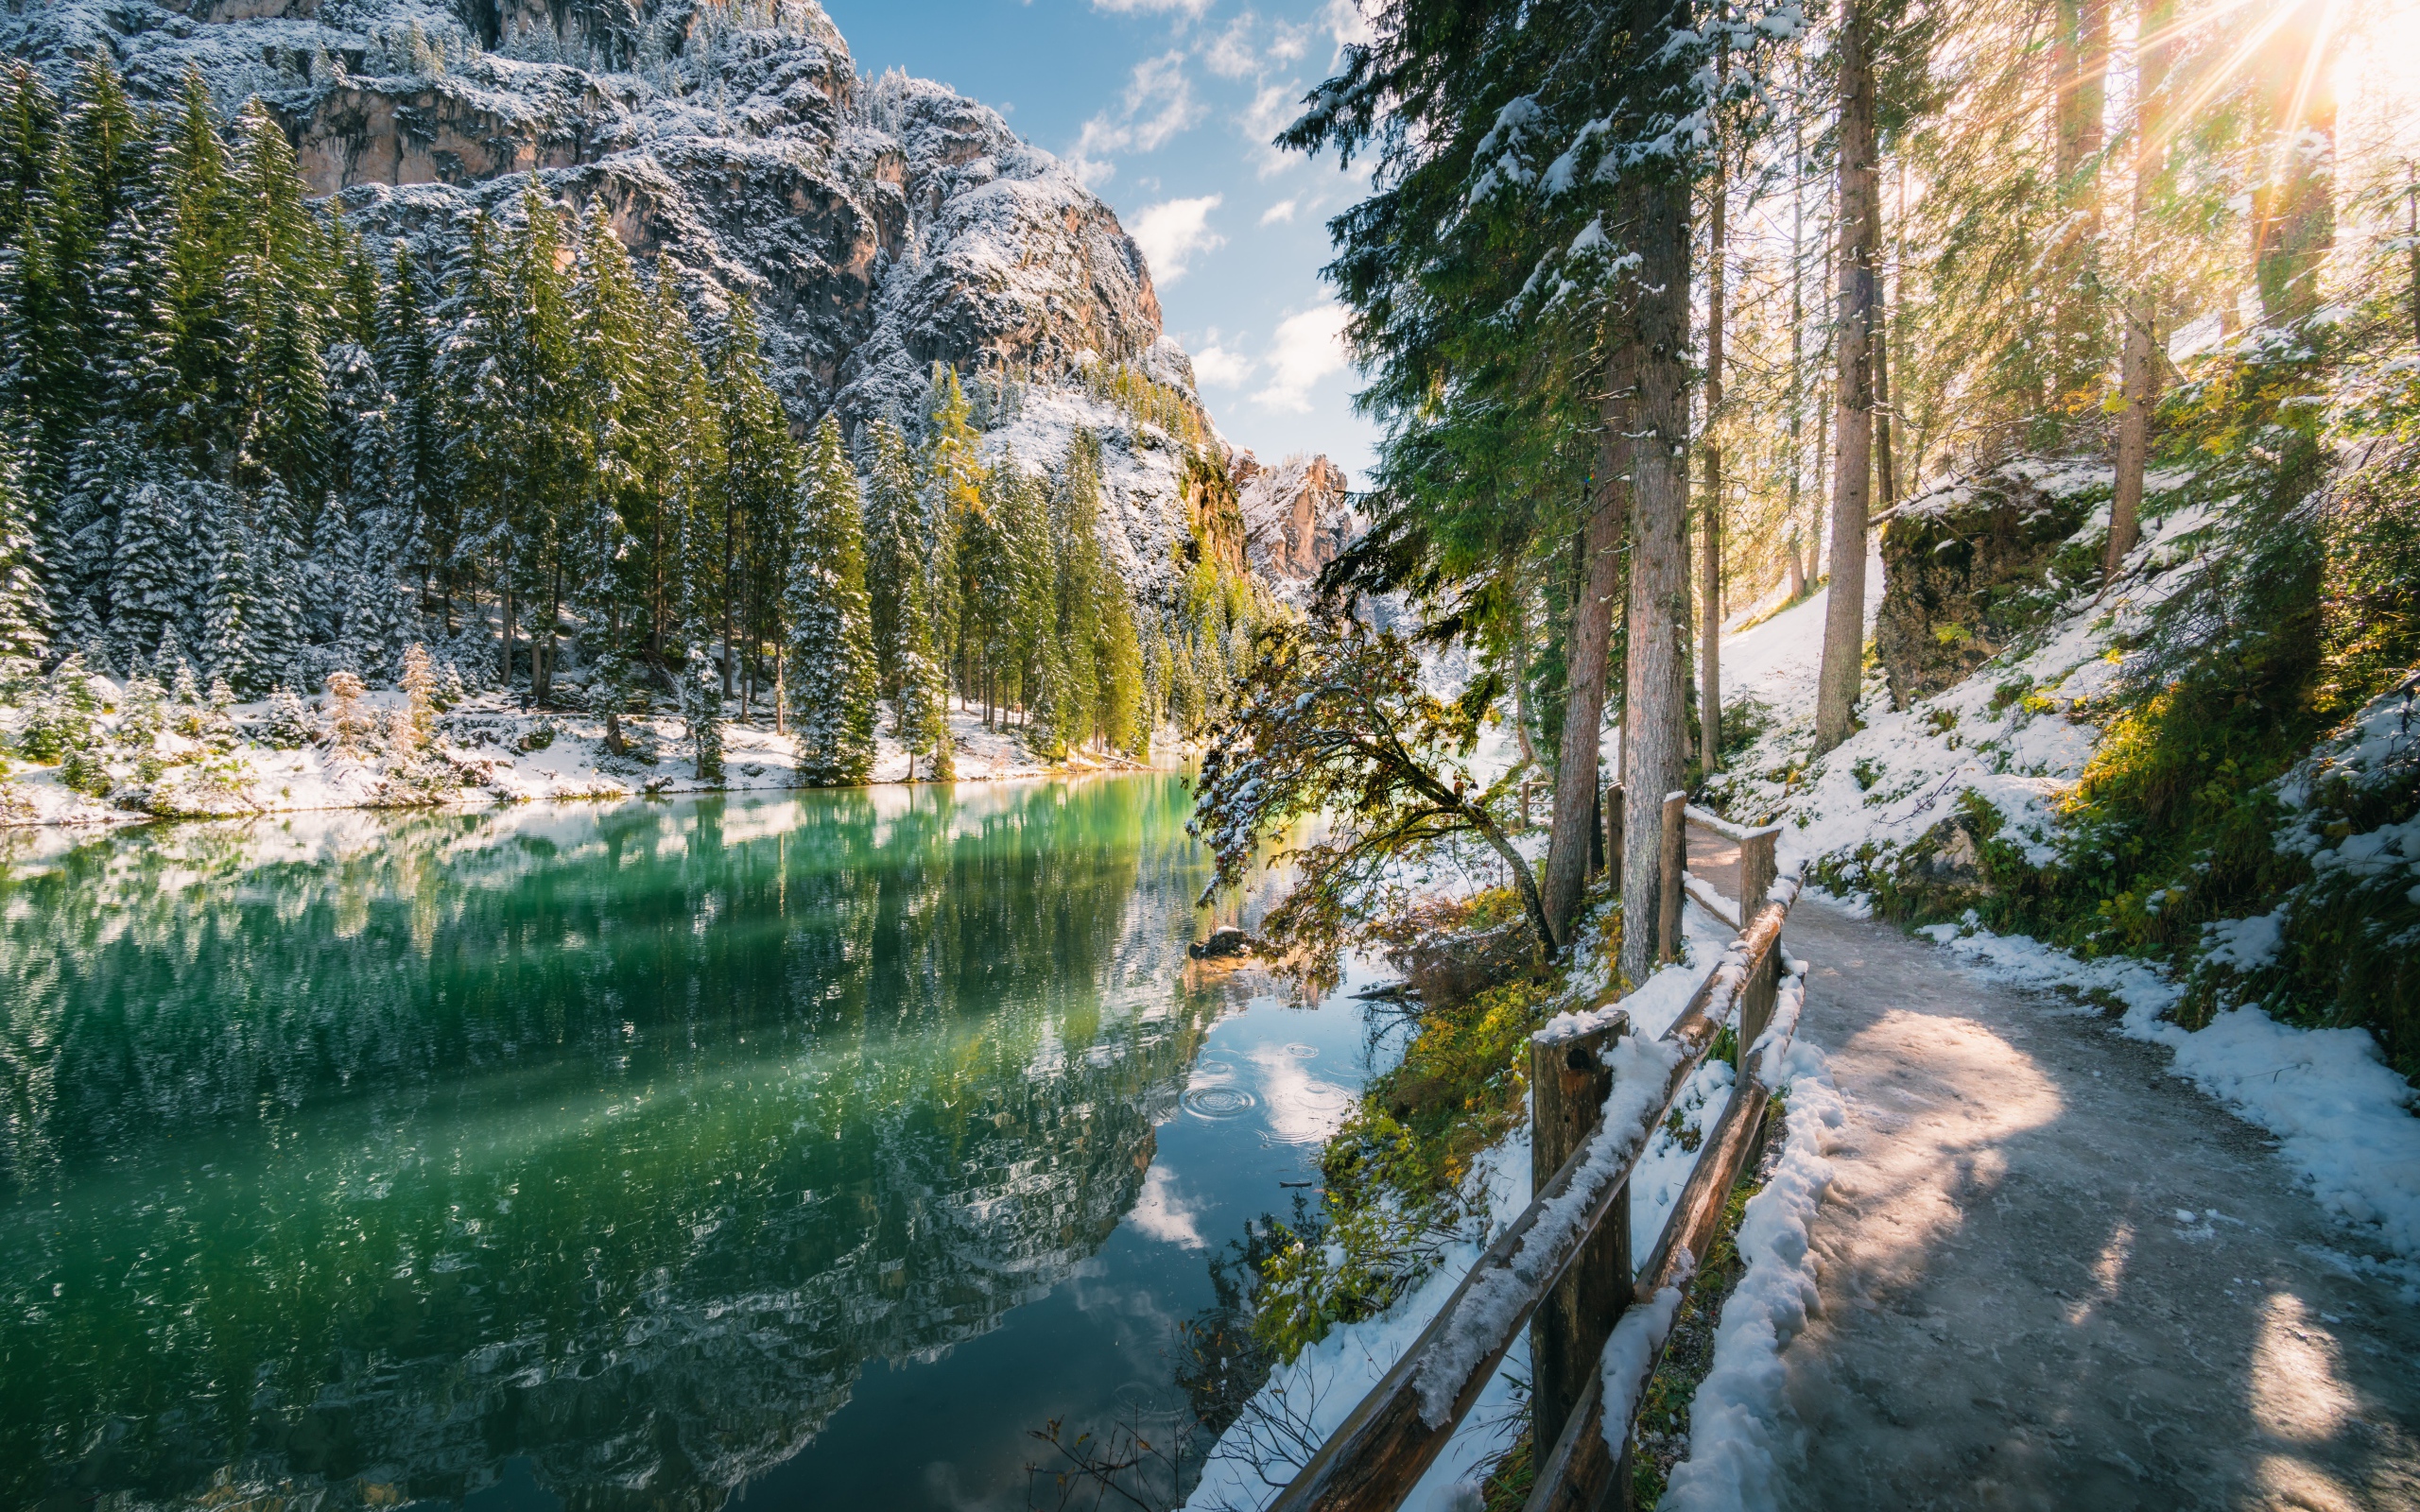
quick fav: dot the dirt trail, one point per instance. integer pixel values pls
(2016, 1312)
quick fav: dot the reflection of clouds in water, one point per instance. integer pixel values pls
(1303, 1109)
(1161, 1213)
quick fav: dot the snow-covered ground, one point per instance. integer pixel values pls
(481, 755)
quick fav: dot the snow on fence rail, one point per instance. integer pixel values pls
(1597, 1323)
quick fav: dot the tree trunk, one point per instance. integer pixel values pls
(2139, 361)
(1710, 579)
(1791, 545)
(1654, 722)
(1592, 629)
(1886, 476)
(1843, 669)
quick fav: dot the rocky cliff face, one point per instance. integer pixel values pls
(1976, 563)
(1296, 516)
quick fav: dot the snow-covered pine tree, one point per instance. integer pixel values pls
(952, 492)
(278, 300)
(831, 674)
(231, 617)
(760, 487)
(701, 707)
(146, 578)
(25, 613)
(417, 483)
(1072, 710)
(890, 544)
(291, 724)
(276, 564)
(142, 713)
(1033, 616)
(1121, 714)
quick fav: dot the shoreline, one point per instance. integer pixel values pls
(480, 756)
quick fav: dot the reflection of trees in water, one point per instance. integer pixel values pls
(374, 1152)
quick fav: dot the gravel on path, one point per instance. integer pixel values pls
(2053, 1276)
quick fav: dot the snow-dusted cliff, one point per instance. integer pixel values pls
(880, 225)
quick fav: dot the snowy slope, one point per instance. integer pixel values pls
(2015, 736)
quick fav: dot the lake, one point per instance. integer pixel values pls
(810, 1148)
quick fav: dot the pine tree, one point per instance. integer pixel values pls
(702, 706)
(1123, 723)
(952, 495)
(831, 674)
(232, 616)
(25, 613)
(760, 487)
(417, 482)
(277, 303)
(892, 556)
(146, 580)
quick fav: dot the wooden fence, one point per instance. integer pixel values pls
(1563, 1269)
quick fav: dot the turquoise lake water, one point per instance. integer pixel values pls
(809, 1148)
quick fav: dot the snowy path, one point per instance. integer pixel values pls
(2018, 1311)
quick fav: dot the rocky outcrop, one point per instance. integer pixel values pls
(1297, 516)
(1973, 564)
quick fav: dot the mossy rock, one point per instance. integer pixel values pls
(1968, 569)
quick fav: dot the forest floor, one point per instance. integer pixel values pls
(2053, 1274)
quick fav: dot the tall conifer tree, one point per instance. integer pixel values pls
(832, 675)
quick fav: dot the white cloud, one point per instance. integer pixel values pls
(1272, 110)
(1281, 213)
(1172, 231)
(1233, 54)
(1345, 23)
(1189, 9)
(1215, 363)
(1157, 105)
(1164, 1215)
(1308, 347)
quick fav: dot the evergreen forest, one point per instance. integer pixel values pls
(245, 447)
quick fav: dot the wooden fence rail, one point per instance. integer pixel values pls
(1562, 1270)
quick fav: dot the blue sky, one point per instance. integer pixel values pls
(1168, 108)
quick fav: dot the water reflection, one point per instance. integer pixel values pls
(347, 1159)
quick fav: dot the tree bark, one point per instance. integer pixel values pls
(1790, 547)
(1592, 623)
(1843, 669)
(1710, 579)
(1654, 727)
(1886, 474)
(2138, 360)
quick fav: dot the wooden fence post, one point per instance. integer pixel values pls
(1675, 861)
(1568, 1083)
(1756, 873)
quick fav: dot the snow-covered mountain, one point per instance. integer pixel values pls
(880, 225)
